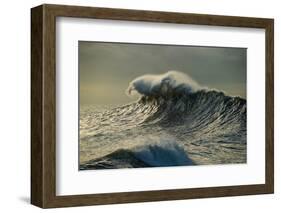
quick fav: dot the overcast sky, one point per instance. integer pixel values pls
(105, 69)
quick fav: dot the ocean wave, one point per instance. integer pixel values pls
(205, 127)
(175, 96)
(160, 153)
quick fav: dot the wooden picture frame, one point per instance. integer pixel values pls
(43, 105)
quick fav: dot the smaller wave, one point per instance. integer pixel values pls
(159, 153)
(164, 153)
(171, 82)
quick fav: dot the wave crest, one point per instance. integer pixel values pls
(170, 83)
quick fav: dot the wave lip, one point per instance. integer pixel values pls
(162, 85)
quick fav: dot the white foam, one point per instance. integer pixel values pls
(171, 81)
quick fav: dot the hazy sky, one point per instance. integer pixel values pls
(105, 69)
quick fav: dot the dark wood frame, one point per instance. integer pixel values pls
(43, 105)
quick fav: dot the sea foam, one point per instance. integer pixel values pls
(170, 82)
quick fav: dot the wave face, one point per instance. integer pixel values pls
(175, 122)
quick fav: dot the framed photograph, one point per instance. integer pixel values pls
(136, 106)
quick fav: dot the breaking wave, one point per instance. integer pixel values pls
(156, 154)
(181, 123)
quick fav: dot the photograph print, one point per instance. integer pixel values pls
(155, 105)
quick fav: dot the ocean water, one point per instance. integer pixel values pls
(175, 122)
(176, 128)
